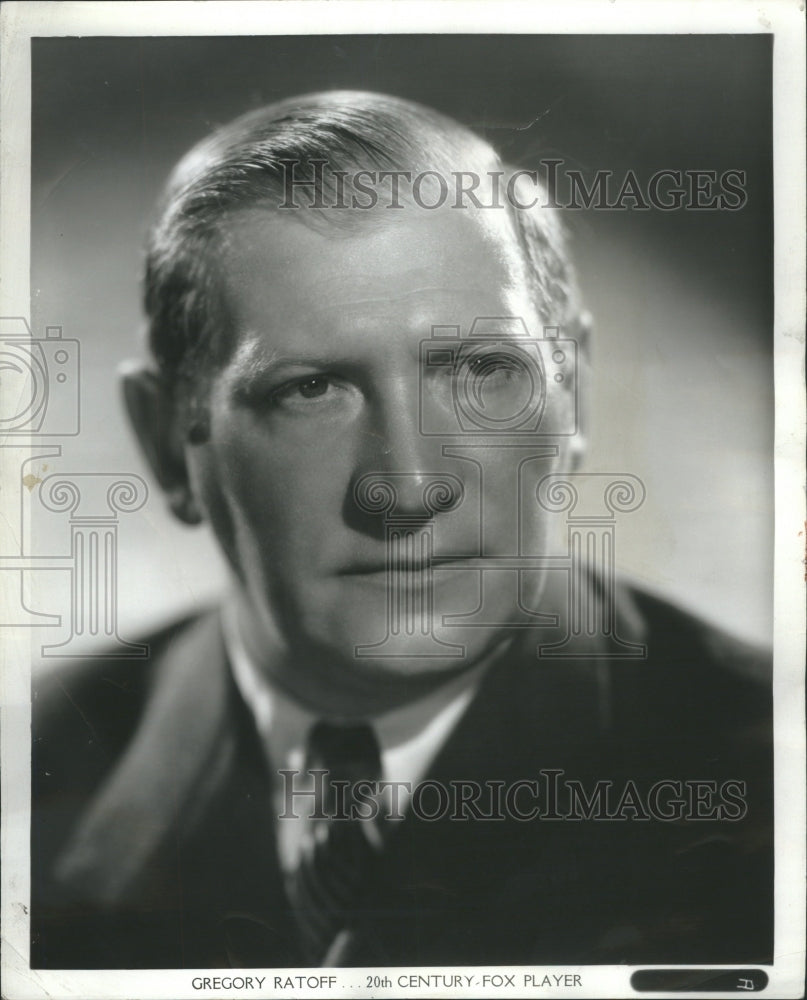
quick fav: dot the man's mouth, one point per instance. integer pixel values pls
(400, 566)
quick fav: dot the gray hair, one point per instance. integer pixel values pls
(245, 163)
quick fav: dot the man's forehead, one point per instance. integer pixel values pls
(374, 258)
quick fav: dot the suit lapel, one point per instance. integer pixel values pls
(183, 825)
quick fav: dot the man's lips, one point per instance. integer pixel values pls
(371, 568)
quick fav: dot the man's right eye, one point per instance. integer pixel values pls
(311, 387)
(300, 390)
(310, 391)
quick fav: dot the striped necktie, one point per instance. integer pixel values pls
(338, 848)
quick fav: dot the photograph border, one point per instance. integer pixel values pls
(784, 19)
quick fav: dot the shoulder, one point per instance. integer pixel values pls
(694, 675)
(120, 748)
(87, 709)
(680, 634)
(86, 715)
(642, 662)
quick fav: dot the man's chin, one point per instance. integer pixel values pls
(375, 619)
(370, 654)
(356, 642)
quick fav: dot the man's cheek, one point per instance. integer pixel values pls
(232, 489)
(215, 481)
(215, 509)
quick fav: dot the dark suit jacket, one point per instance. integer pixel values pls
(153, 837)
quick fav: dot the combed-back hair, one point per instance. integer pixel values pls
(241, 165)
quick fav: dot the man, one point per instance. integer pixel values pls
(364, 379)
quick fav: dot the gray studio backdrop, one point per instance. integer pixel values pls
(682, 394)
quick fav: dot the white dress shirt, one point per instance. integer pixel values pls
(409, 738)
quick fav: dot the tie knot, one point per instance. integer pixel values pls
(348, 753)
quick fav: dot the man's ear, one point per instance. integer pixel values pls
(153, 415)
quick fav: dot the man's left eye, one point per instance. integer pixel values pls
(313, 387)
(496, 369)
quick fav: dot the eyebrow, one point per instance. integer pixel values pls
(250, 371)
(260, 367)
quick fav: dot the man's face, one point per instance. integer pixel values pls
(327, 384)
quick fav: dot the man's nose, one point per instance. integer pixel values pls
(402, 471)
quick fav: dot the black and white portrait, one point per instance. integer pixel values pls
(397, 519)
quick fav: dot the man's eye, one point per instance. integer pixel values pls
(496, 368)
(497, 384)
(312, 387)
